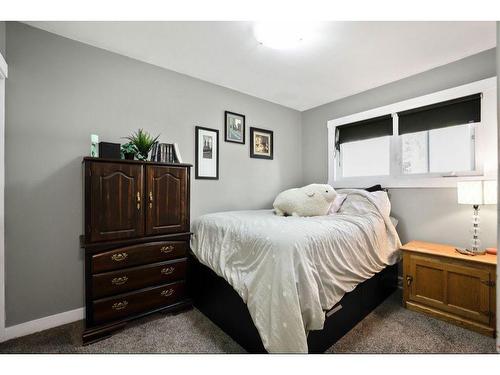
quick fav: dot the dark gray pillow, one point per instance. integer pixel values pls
(375, 188)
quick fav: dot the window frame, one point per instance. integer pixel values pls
(485, 141)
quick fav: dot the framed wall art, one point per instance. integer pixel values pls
(261, 143)
(207, 153)
(234, 127)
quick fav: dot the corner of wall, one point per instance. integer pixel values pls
(498, 206)
(3, 38)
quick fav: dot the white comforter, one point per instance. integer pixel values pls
(290, 270)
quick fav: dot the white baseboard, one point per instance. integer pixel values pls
(42, 324)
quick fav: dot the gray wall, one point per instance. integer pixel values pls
(59, 92)
(425, 214)
(2, 38)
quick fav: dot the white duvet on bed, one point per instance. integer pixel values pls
(290, 270)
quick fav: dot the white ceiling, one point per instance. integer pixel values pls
(343, 58)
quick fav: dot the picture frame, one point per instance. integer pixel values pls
(234, 127)
(261, 143)
(207, 153)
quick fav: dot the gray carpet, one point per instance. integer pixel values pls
(388, 329)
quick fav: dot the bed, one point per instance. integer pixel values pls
(289, 284)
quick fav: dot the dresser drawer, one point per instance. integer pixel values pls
(115, 282)
(138, 254)
(125, 305)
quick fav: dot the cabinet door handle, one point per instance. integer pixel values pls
(138, 200)
(409, 280)
(150, 199)
(119, 257)
(488, 283)
(167, 270)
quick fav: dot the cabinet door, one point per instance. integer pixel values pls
(458, 289)
(116, 208)
(167, 196)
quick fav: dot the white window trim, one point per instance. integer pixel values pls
(397, 178)
(3, 77)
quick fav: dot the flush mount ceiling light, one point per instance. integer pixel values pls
(282, 35)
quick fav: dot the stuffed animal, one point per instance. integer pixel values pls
(310, 200)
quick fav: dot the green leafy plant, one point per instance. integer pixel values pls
(128, 151)
(143, 141)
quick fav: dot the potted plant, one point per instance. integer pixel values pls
(128, 151)
(143, 142)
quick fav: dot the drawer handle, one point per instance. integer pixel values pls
(167, 270)
(409, 280)
(167, 249)
(167, 293)
(119, 257)
(119, 305)
(119, 280)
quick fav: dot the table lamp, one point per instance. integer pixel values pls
(476, 193)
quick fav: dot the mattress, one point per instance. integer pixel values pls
(290, 270)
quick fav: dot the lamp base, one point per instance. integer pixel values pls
(470, 252)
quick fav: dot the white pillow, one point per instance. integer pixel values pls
(335, 206)
(394, 221)
(383, 202)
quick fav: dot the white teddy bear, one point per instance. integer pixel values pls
(310, 200)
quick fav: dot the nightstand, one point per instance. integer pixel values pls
(439, 281)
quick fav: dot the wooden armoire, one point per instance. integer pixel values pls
(136, 241)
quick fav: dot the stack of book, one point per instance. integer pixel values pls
(166, 153)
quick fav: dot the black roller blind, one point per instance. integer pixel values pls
(441, 115)
(366, 129)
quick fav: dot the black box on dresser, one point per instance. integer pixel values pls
(136, 241)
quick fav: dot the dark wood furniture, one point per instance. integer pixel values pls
(445, 284)
(216, 299)
(136, 242)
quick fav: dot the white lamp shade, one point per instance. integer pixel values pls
(490, 192)
(477, 192)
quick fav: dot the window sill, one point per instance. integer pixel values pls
(408, 181)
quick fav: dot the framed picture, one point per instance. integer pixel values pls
(261, 143)
(234, 128)
(207, 153)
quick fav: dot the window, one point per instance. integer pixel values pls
(365, 158)
(363, 147)
(418, 142)
(432, 151)
(439, 138)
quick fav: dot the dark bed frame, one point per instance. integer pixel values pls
(216, 299)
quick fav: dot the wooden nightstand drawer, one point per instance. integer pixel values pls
(450, 286)
(115, 282)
